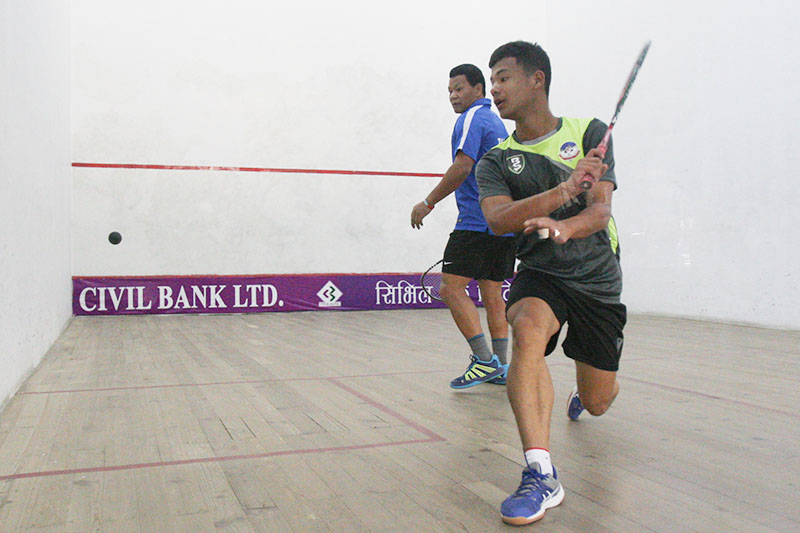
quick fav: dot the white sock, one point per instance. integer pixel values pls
(541, 456)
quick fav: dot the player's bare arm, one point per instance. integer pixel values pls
(588, 222)
(452, 179)
(505, 215)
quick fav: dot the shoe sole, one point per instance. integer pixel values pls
(556, 499)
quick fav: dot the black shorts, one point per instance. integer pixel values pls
(594, 335)
(479, 255)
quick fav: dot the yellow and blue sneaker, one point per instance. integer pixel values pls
(479, 371)
(501, 379)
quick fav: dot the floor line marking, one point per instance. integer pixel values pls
(137, 466)
(430, 437)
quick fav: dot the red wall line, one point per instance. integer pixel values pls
(257, 169)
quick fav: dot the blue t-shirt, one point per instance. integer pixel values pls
(477, 130)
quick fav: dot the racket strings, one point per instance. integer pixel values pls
(431, 281)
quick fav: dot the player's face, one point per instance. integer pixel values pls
(462, 94)
(513, 91)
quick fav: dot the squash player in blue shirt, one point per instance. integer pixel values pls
(473, 251)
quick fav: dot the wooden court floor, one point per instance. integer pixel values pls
(344, 421)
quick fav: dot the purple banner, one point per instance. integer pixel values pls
(253, 294)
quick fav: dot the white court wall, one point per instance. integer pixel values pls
(354, 85)
(35, 184)
(705, 209)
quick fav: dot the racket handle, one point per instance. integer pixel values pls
(544, 233)
(587, 181)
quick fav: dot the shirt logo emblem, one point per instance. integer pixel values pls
(515, 163)
(568, 151)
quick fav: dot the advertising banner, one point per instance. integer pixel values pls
(253, 294)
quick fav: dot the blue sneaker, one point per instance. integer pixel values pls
(478, 371)
(574, 405)
(501, 379)
(536, 494)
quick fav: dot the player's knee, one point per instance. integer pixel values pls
(596, 404)
(529, 321)
(492, 294)
(595, 407)
(527, 330)
(448, 291)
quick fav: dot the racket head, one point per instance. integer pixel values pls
(587, 182)
(629, 82)
(431, 280)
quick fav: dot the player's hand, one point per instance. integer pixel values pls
(546, 227)
(591, 167)
(419, 212)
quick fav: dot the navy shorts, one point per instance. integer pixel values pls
(479, 255)
(594, 335)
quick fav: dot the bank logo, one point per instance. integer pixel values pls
(329, 295)
(515, 163)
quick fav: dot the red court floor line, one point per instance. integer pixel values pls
(257, 169)
(433, 437)
(252, 381)
(138, 466)
(710, 396)
(693, 392)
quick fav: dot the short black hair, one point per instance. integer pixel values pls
(472, 73)
(530, 56)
